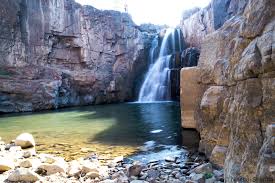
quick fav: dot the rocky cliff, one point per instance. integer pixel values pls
(57, 53)
(197, 23)
(236, 109)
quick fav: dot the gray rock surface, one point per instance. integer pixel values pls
(197, 23)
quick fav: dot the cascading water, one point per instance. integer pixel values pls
(156, 86)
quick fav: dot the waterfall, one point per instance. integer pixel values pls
(156, 86)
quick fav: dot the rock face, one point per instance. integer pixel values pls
(197, 23)
(58, 53)
(237, 66)
(190, 92)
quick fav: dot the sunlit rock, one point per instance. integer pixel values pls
(23, 174)
(25, 140)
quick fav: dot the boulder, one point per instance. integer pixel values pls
(25, 140)
(6, 164)
(24, 175)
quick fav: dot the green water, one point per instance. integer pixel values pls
(111, 130)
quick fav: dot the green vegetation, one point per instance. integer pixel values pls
(208, 175)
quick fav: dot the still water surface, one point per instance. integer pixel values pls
(109, 130)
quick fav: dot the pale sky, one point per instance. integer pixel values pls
(149, 11)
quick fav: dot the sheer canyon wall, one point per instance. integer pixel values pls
(57, 53)
(234, 107)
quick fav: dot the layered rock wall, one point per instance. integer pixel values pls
(201, 22)
(237, 66)
(57, 53)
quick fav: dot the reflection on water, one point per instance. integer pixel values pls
(106, 129)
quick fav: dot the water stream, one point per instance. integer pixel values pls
(157, 86)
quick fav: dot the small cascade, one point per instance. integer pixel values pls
(154, 51)
(157, 84)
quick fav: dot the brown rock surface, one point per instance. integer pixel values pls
(190, 95)
(58, 53)
(237, 64)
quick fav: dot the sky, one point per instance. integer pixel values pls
(149, 11)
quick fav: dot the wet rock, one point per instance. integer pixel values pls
(23, 174)
(6, 164)
(138, 181)
(170, 159)
(25, 140)
(118, 159)
(135, 170)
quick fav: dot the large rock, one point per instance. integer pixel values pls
(67, 55)
(25, 140)
(23, 175)
(237, 65)
(198, 23)
(191, 92)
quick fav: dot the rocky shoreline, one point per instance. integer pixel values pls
(19, 162)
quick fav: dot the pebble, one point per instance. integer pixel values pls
(50, 168)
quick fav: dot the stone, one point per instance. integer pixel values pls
(134, 170)
(25, 163)
(6, 164)
(25, 140)
(23, 174)
(92, 174)
(218, 155)
(74, 168)
(170, 159)
(202, 169)
(138, 181)
(198, 177)
(50, 169)
(118, 159)
(218, 173)
(15, 148)
(210, 180)
(89, 167)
